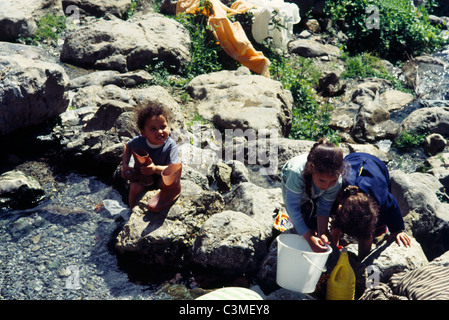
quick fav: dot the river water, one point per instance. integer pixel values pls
(62, 249)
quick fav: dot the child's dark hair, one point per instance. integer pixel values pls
(151, 109)
(356, 213)
(324, 157)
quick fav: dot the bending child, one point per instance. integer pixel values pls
(156, 159)
(365, 207)
(310, 184)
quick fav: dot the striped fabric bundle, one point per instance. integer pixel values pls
(380, 292)
(430, 282)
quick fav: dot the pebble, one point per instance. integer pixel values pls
(57, 255)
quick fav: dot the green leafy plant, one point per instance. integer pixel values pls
(410, 139)
(442, 196)
(402, 31)
(205, 51)
(132, 8)
(48, 27)
(310, 119)
(365, 65)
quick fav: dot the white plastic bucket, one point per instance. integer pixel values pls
(298, 267)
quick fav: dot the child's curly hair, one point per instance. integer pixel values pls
(356, 213)
(150, 109)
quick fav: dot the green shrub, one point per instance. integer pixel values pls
(400, 31)
(410, 139)
(48, 27)
(205, 51)
(365, 65)
(310, 120)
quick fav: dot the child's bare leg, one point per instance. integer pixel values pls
(135, 189)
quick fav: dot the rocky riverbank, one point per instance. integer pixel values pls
(70, 235)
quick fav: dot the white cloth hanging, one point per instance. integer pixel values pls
(274, 19)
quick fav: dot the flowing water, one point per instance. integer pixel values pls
(62, 248)
(432, 89)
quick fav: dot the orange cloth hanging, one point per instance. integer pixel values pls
(231, 36)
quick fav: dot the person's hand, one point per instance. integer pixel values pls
(317, 244)
(149, 169)
(402, 237)
(126, 172)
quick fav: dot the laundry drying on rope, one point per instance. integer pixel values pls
(231, 35)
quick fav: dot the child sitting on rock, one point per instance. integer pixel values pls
(156, 159)
(365, 208)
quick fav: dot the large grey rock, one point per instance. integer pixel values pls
(230, 242)
(103, 78)
(373, 122)
(129, 45)
(390, 258)
(431, 120)
(425, 216)
(395, 99)
(164, 239)
(239, 100)
(97, 8)
(438, 166)
(259, 203)
(18, 18)
(19, 190)
(312, 48)
(31, 92)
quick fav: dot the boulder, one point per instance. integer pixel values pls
(230, 242)
(442, 260)
(311, 48)
(259, 203)
(18, 190)
(390, 258)
(438, 166)
(425, 216)
(18, 18)
(164, 240)
(128, 45)
(434, 143)
(430, 120)
(97, 8)
(27, 51)
(31, 92)
(330, 85)
(96, 95)
(395, 99)
(289, 148)
(371, 149)
(373, 123)
(104, 78)
(239, 100)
